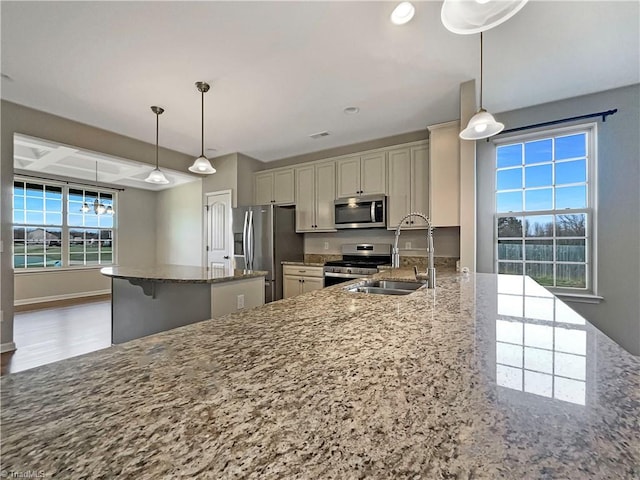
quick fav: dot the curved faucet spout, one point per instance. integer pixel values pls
(431, 271)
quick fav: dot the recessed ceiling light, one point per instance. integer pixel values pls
(351, 110)
(403, 13)
(6, 77)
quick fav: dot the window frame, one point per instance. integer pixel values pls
(591, 210)
(65, 227)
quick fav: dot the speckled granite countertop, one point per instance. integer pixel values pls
(486, 377)
(180, 273)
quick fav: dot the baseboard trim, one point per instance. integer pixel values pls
(7, 347)
(57, 298)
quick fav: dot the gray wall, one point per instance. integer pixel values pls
(19, 119)
(618, 209)
(179, 225)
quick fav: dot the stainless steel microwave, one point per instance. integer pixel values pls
(361, 212)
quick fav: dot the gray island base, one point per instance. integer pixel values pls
(153, 300)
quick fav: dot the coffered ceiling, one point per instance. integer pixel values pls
(281, 71)
(34, 157)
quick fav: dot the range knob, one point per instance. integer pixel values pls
(348, 270)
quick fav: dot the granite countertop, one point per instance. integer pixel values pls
(180, 273)
(304, 264)
(485, 377)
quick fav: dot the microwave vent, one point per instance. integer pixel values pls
(319, 135)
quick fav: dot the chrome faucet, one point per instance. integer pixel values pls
(430, 274)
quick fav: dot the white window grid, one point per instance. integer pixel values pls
(64, 228)
(590, 212)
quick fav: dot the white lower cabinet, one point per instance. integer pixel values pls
(301, 279)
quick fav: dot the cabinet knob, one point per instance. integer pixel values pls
(226, 257)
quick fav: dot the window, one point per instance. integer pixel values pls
(545, 208)
(59, 226)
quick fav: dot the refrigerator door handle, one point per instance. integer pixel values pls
(245, 243)
(250, 240)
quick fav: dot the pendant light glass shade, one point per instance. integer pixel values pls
(202, 164)
(156, 176)
(465, 17)
(482, 125)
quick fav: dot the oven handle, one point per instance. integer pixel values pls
(344, 275)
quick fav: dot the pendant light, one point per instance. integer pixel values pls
(473, 16)
(482, 124)
(98, 207)
(156, 176)
(201, 164)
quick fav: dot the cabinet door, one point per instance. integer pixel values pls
(284, 186)
(444, 173)
(420, 184)
(306, 199)
(312, 283)
(399, 199)
(291, 286)
(348, 177)
(373, 174)
(263, 188)
(325, 191)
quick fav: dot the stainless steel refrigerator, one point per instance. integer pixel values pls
(263, 237)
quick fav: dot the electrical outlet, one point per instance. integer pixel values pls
(240, 302)
(407, 245)
(326, 245)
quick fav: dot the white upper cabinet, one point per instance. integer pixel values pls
(315, 193)
(444, 173)
(408, 174)
(274, 186)
(362, 175)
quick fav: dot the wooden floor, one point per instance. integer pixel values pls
(51, 334)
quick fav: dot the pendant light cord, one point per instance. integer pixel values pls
(202, 151)
(157, 128)
(481, 63)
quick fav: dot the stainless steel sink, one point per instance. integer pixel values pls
(386, 287)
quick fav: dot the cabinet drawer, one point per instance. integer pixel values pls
(303, 271)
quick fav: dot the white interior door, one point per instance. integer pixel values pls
(219, 237)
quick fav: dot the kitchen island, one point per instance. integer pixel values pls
(155, 299)
(487, 376)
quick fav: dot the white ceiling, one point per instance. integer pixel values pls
(281, 71)
(34, 156)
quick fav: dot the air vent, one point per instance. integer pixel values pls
(319, 135)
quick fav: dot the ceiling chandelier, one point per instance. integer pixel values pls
(156, 176)
(482, 124)
(474, 16)
(202, 164)
(98, 207)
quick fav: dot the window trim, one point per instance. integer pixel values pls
(591, 128)
(66, 185)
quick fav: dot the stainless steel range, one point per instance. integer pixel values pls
(358, 261)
